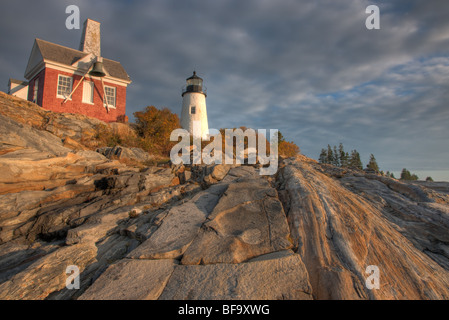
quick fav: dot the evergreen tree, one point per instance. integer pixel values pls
(323, 156)
(343, 156)
(336, 161)
(390, 175)
(405, 174)
(429, 179)
(372, 164)
(354, 160)
(280, 136)
(330, 155)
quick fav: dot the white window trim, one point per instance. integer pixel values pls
(93, 90)
(115, 98)
(57, 86)
(36, 90)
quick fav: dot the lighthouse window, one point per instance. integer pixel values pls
(192, 110)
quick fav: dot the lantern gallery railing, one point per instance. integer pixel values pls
(194, 88)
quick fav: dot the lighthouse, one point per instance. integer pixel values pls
(194, 107)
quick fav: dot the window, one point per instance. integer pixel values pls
(192, 110)
(88, 92)
(110, 96)
(64, 87)
(35, 90)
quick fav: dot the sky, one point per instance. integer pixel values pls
(308, 68)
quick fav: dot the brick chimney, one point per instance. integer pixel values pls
(91, 40)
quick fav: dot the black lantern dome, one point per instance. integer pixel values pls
(194, 84)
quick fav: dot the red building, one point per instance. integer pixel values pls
(80, 81)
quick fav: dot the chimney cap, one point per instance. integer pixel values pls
(91, 20)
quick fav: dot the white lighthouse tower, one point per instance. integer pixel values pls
(194, 107)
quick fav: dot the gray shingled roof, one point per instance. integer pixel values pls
(68, 56)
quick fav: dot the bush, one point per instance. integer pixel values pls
(154, 127)
(406, 175)
(288, 149)
(107, 138)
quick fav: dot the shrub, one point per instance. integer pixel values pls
(154, 127)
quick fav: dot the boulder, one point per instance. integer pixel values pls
(16, 134)
(72, 144)
(131, 280)
(209, 174)
(97, 227)
(220, 171)
(154, 180)
(25, 213)
(17, 256)
(123, 153)
(179, 227)
(248, 221)
(343, 226)
(47, 274)
(239, 172)
(22, 111)
(284, 278)
(74, 126)
(91, 155)
(24, 166)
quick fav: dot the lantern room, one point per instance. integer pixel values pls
(194, 84)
